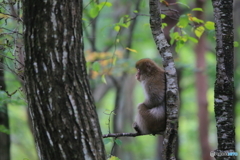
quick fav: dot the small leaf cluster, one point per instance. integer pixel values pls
(100, 64)
(97, 7)
(112, 140)
(124, 21)
(197, 26)
(115, 141)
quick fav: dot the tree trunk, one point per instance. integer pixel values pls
(172, 93)
(61, 105)
(170, 24)
(201, 88)
(224, 84)
(4, 121)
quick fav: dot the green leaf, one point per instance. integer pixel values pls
(212, 34)
(195, 19)
(193, 39)
(235, 44)
(184, 38)
(117, 28)
(164, 25)
(197, 9)
(199, 31)
(96, 66)
(94, 11)
(108, 4)
(174, 37)
(120, 24)
(128, 22)
(103, 4)
(118, 142)
(132, 50)
(183, 21)
(163, 16)
(183, 4)
(4, 129)
(113, 158)
(107, 140)
(209, 25)
(179, 45)
(104, 79)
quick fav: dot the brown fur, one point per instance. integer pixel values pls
(151, 113)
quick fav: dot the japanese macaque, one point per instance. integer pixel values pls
(151, 113)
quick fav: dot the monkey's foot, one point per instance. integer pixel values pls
(135, 126)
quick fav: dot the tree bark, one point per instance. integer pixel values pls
(201, 88)
(172, 94)
(61, 105)
(4, 120)
(224, 84)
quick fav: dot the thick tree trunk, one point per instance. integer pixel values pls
(61, 106)
(201, 87)
(224, 84)
(4, 137)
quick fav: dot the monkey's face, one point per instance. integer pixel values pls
(138, 75)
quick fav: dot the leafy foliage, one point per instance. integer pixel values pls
(186, 23)
(125, 22)
(100, 64)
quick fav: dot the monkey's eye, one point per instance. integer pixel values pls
(138, 71)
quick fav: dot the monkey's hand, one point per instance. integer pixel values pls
(135, 126)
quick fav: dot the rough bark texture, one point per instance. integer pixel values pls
(224, 85)
(172, 97)
(4, 138)
(201, 88)
(61, 106)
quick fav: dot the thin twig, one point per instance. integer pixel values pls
(126, 135)
(13, 59)
(10, 15)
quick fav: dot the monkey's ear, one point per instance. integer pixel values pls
(149, 67)
(149, 70)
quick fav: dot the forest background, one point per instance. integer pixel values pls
(116, 35)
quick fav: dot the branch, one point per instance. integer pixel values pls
(116, 135)
(13, 16)
(13, 59)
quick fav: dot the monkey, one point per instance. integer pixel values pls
(151, 116)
